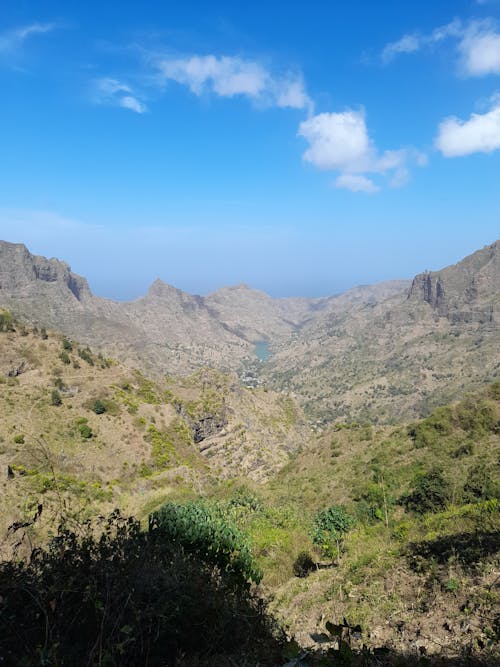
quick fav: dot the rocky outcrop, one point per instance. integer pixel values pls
(465, 292)
(20, 270)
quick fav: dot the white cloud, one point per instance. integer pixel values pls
(340, 142)
(356, 183)
(480, 49)
(477, 44)
(113, 92)
(479, 134)
(12, 40)
(407, 44)
(132, 103)
(228, 76)
(413, 42)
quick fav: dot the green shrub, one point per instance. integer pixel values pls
(86, 355)
(64, 357)
(206, 531)
(329, 527)
(85, 431)
(431, 493)
(19, 439)
(67, 345)
(6, 321)
(123, 596)
(303, 564)
(480, 485)
(98, 407)
(55, 397)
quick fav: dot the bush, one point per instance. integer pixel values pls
(55, 397)
(128, 597)
(98, 407)
(6, 321)
(86, 355)
(85, 431)
(67, 345)
(480, 485)
(329, 527)
(204, 530)
(431, 493)
(19, 439)
(303, 564)
(64, 357)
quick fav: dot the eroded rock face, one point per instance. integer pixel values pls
(19, 270)
(465, 292)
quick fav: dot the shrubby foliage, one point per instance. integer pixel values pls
(128, 597)
(431, 493)
(329, 527)
(204, 530)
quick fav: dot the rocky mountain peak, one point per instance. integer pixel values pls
(466, 291)
(20, 270)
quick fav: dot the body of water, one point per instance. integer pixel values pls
(262, 350)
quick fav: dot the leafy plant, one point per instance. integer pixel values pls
(124, 596)
(55, 397)
(329, 527)
(206, 531)
(98, 407)
(431, 493)
(67, 345)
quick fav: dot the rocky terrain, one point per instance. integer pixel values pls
(399, 357)
(381, 352)
(107, 436)
(411, 570)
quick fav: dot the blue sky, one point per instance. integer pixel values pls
(299, 147)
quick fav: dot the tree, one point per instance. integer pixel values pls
(329, 528)
(431, 493)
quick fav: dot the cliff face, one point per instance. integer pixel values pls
(20, 271)
(465, 292)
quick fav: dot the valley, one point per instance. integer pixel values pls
(354, 441)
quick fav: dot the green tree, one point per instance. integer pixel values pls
(431, 493)
(329, 527)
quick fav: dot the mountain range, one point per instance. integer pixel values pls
(380, 352)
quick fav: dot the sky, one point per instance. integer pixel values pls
(299, 147)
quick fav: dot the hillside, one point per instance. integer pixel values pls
(84, 429)
(414, 568)
(404, 355)
(379, 353)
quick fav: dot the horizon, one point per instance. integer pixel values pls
(243, 284)
(302, 152)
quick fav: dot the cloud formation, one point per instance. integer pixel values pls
(12, 40)
(228, 76)
(413, 42)
(477, 44)
(480, 49)
(479, 134)
(340, 142)
(112, 92)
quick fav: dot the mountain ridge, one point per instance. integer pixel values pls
(387, 351)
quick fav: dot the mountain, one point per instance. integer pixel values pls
(380, 352)
(398, 358)
(168, 331)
